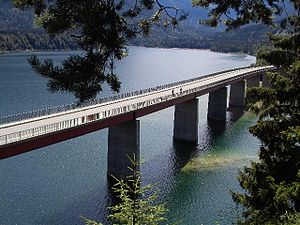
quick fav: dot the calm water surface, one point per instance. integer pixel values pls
(58, 183)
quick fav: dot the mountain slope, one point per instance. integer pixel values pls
(17, 32)
(12, 19)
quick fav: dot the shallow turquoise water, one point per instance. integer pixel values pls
(211, 174)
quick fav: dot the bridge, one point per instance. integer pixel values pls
(23, 132)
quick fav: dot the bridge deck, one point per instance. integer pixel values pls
(27, 134)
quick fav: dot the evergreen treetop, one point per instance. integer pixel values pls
(100, 28)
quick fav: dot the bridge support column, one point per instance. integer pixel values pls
(186, 121)
(253, 81)
(123, 141)
(265, 81)
(237, 95)
(217, 104)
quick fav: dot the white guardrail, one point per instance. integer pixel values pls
(136, 99)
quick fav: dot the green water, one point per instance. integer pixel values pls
(203, 184)
(229, 149)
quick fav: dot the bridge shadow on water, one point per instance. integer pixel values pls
(185, 151)
(234, 114)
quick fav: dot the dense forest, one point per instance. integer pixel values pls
(248, 40)
(34, 40)
(19, 33)
(13, 19)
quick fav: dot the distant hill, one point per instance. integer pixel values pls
(247, 40)
(17, 33)
(12, 19)
(34, 40)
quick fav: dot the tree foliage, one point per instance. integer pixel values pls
(272, 185)
(236, 13)
(290, 219)
(137, 204)
(101, 29)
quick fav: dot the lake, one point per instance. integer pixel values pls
(59, 183)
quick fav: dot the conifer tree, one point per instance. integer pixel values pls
(271, 185)
(101, 29)
(137, 204)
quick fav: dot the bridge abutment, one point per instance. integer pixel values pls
(217, 104)
(237, 95)
(123, 142)
(186, 121)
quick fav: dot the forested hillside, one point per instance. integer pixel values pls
(12, 19)
(246, 40)
(34, 40)
(18, 33)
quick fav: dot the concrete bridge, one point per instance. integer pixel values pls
(20, 133)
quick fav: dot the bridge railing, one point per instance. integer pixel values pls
(57, 109)
(37, 131)
(41, 130)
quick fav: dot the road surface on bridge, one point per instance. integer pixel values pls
(22, 130)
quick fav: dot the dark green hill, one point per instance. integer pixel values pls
(17, 33)
(246, 40)
(34, 40)
(12, 19)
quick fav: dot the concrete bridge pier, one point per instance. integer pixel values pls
(253, 81)
(123, 142)
(237, 95)
(265, 81)
(217, 104)
(186, 121)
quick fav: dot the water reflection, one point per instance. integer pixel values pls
(215, 128)
(111, 198)
(101, 211)
(235, 114)
(183, 153)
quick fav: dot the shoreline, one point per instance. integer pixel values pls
(37, 50)
(66, 50)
